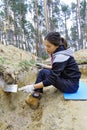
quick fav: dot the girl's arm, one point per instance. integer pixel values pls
(40, 65)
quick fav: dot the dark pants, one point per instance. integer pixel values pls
(64, 85)
(42, 75)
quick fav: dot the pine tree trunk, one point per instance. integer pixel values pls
(46, 14)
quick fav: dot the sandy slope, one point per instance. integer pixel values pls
(54, 113)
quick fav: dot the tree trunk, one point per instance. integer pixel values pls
(46, 14)
(66, 31)
(36, 26)
(79, 25)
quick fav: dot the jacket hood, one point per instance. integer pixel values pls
(62, 56)
(67, 52)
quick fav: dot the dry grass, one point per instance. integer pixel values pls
(81, 56)
(12, 55)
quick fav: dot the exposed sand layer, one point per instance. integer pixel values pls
(54, 113)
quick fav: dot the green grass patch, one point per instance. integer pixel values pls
(2, 60)
(25, 65)
(82, 61)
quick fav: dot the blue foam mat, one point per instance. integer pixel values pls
(81, 94)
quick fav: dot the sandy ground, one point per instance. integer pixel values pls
(54, 113)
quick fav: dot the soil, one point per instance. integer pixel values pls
(54, 113)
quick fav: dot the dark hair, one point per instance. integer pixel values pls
(64, 42)
(56, 39)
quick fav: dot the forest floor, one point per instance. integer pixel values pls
(54, 113)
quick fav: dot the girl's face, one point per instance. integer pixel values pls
(50, 48)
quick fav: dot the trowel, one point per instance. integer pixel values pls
(11, 88)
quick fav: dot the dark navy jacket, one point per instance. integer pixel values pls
(64, 67)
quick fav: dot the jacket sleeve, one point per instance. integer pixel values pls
(56, 71)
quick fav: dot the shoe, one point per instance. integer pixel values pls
(32, 101)
(37, 95)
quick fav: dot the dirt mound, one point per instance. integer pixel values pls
(81, 56)
(12, 55)
(54, 113)
(13, 62)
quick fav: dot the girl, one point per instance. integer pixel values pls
(64, 74)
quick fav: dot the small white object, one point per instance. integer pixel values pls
(27, 88)
(11, 88)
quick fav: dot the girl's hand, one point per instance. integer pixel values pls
(28, 89)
